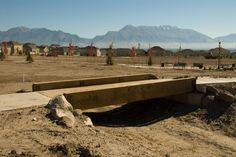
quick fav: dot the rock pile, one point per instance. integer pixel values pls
(61, 111)
(212, 93)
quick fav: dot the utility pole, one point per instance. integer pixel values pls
(179, 52)
(219, 55)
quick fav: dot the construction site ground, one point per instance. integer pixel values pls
(149, 128)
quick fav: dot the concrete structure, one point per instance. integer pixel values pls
(89, 81)
(118, 93)
(126, 92)
(209, 80)
(22, 100)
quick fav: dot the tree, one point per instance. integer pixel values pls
(29, 58)
(150, 57)
(4, 51)
(109, 60)
(133, 52)
(2, 56)
(179, 53)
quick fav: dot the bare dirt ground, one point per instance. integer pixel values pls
(149, 128)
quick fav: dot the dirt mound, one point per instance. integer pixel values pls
(70, 150)
(219, 115)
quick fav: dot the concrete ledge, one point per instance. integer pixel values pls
(89, 81)
(188, 98)
(22, 100)
(110, 94)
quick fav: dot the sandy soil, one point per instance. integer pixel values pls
(150, 128)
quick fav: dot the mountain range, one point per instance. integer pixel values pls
(128, 35)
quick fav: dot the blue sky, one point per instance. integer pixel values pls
(88, 18)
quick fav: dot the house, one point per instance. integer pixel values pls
(195, 53)
(90, 51)
(76, 50)
(104, 51)
(158, 51)
(223, 52)
(123, 52)
(16, 48)
(59, 50)
(141, 52)
(30, 48)
(43, 50)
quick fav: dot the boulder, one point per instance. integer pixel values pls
(207, 100)
(77, 112)
(64, 117)
(212, 90)
(88, 122)
(201, 88)
(59, 102)
(61, 111)
(225, 96)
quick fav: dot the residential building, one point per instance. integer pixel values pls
(30, 48)
(16, 48)
(43, 50)
(90, 51)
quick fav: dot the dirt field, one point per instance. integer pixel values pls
(149, 128)
(15, 69)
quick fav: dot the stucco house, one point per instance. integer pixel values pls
(16, 48)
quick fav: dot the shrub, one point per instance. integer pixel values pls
(29, 58)
(2, 56)
(109, 60)
(150, 60)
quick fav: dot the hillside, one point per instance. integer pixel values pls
(153, 34)
(227, 38)
(40, 36)
(165, 36)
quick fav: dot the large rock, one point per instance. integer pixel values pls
(59, 102)
(207, 100)
(225, 96)
(61, 111)
(88, 122)
(212, 90)
(63, 117)
(77, 112)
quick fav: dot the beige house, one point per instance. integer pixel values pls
(16, 48)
